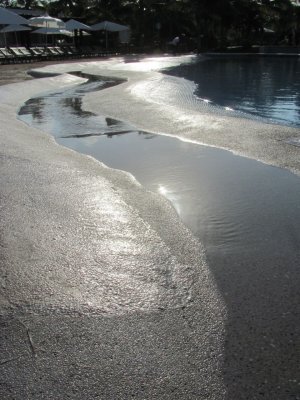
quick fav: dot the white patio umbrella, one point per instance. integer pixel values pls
(53, 31)
(73, 25)
(8, 18)
(108, 26)
(14, 28)
(47, 22)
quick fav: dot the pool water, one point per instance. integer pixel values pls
(245, 213)
(265, 87)
(222, 197)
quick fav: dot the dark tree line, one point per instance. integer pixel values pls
(205, 23)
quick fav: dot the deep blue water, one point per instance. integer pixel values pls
(267, 87)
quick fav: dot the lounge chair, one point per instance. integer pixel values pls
(19, 55)
(8, 56)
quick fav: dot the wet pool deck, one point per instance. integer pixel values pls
(74, 328)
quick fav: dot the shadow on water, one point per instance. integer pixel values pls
(247, 215)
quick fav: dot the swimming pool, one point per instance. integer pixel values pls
(246, 214)
(264, 87)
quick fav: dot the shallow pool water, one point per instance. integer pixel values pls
(246, 214)
(225, 199)
(265, 87)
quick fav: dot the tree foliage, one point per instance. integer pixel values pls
(209, 23)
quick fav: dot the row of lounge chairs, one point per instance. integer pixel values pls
(32, 54)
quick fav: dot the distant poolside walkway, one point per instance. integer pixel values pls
(18, 72)
(13, 73)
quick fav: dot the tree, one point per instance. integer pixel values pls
(213, 24)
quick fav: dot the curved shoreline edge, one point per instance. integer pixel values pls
(82, 241)
(137, 101)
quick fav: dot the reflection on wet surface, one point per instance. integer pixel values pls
(70, 120)
(246, 213)
(216, 193)
(267, 87)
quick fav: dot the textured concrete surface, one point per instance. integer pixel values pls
(159, 103)
(104, 293)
